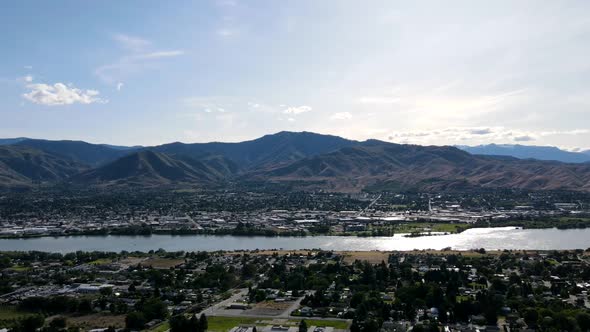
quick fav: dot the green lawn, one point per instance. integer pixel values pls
(434, 227)
(337, 324)
(19, 268)
(161, 328)
(223, 324)
(101, 261)
(10, 312)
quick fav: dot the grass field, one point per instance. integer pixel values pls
(223, 324)
(101, 261)
(19, 268)
(434, 227)
(10, 312)
(161, 328)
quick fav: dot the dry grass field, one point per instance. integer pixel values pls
(92, 321)
(162, 263)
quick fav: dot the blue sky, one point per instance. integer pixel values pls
(425, 72)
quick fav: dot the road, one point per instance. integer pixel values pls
(212, 310)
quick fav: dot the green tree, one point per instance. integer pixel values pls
(203, 324)
(58, 323)
(135, 320)
(30, 323)
(531, 317)
(180, 323)
(583, 319)
(303, 326)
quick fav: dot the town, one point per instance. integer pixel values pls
(296, 291)
(294, 214)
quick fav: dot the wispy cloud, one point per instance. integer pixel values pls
(131, 43)
(297, 110)
(227, 32)
(341, 116)
(139, 56)
(476, 135)
(60, 94)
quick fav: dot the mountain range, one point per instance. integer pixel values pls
(529, 152)
(302, 161)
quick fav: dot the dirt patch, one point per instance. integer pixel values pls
(97, 321)
(269, 308)
(162, 263)
(373, 257)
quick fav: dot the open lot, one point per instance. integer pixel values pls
(373, 257)
(96, 321)
(162, 263)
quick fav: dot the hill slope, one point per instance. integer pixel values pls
(528, 152)
(90, 154)
(22, 166)
(381, 165)
(267, 150)
(147, 168)
(296, 160)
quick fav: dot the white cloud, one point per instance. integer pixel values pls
(524, 138)
(60, 94)
(27, 79)
(132, 43)
(138, 57)
(119, 86)
(341, 116)
(297, 110)
(157, 55)
(475, 135)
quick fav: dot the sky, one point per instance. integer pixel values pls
(422, 72)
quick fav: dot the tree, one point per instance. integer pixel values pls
(531, 317)
(203, 324)
(303, 326)
(180, 323)
(135, 320)
(30, 323)
(583, 321)
(154, 308)
(106, 291)
(58, 323)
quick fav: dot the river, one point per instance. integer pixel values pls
(489, 238)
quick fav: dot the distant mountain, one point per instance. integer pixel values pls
(528, 152)
(298, 161)
(24, 166)
(385, 166)
(147, 168)
(9, 141)
(267, 150)
(121, 147)
(82, 152)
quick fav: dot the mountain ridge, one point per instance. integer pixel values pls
(529, 152)
(301, 161)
